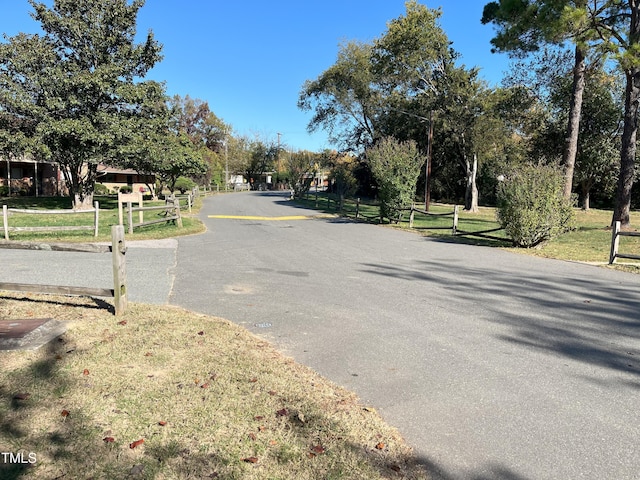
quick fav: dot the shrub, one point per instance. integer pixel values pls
(395, 166)
(100, 189)
(531, 207)
(184, 184)
(126, 189)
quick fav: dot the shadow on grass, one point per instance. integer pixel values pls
(99, 304)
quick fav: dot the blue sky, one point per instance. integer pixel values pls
(248, 59)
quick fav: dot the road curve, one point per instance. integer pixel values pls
(493, 365)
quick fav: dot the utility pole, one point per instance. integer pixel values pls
(427, 176)
(278, 159)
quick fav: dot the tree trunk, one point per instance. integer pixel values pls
(573, 128)
(628, 149)
(586, 194)
(471, 194)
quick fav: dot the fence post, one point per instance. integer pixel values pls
(130, 216)
(176, 204)
(615, 242)
(413, 212)
(358, 208)
(189, 201)
(5, 221)
(96, 219)
(455, 219)
(118, 250)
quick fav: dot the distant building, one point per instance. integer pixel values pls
(115, 178)
(29, 177)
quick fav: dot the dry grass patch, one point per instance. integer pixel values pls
(208, 399)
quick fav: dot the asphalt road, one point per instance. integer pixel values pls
(493, 365)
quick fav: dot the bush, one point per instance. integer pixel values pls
(184, 184)
(395, 167)
(100, 189)
(531, 207)
(126, 189)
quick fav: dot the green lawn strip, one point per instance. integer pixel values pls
(208, 399)
(108, 216)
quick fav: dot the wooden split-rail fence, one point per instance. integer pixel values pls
(7, 212)
(117, 250)
(616, 233)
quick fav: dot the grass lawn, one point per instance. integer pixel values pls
(589, 242)
(164, 393)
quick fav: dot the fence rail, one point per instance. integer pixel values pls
(117, 249)
(7, 212)
(454, 215)
(616, 233)
(172, 213)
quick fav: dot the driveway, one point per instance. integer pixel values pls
(491, 364)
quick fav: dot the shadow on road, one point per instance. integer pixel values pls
(491, 472)
(586, 319)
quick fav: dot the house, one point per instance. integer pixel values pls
(116, 178)
(29, 177)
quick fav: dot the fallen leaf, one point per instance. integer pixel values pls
(250, 459)
(258, 417)
(380, 446)
(85, 372)
(64, 413)
(108, 439)
(253, 380)
(272, 442)
(137, 443)
(21, 396)
(148, 354)
(282, 413)
(122, 322)
(204, 385)
(162, 423)
(262, 428)
(395, 468)
(272, 393)
(201, 332)
(317, 449)
(252, 436)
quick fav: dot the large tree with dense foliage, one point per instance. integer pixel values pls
(76, 89)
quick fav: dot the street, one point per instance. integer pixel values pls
(491, 364)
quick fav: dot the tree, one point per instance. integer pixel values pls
(302, 167)
(599, 140)
(261, 158)
(626, 48)
(77, 84)
(525, 25)
(343, 176)
(395, 166)
(343, 100)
